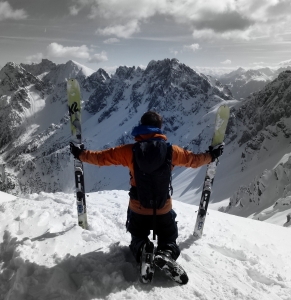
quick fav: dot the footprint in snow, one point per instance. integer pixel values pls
(232, 253)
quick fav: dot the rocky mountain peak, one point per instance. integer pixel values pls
(170, 73)
(13, 76)
(11, 69)
(268, 108)
(37, 69)
(125, 72)
(165, 63)
(65, 71)
(165, 67)
(100, 74)
(95, 80)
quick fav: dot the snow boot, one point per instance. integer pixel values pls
(164, 261)
(147, 266)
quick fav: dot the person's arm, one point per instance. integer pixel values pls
(185, 158)
(121, 155)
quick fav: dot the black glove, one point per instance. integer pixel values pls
(75, 150)
(216, 151)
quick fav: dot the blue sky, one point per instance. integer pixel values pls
(222, 34)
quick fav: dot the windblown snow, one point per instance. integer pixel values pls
(44, 255)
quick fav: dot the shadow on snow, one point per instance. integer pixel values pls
(86, 276)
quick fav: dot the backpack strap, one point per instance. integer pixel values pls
(169, 152)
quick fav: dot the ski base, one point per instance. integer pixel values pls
(80, 194)
(74, 102)
(221, 122)
(205, 197)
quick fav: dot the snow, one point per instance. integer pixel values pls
(85, 70)
(6, 197)
(44, 255)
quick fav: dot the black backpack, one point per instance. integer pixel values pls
(152, 160)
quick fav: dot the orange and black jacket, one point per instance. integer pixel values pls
(122, 155)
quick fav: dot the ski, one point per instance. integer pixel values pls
(221, 121)
(74, 103)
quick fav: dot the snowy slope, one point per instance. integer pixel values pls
(263, 130)
(44, 255)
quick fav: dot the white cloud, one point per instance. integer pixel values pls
(98, 57)
(80, 52)
(121, 31)
(79, 5)
(57, 50)
(285, 63)
(74, 10)
(124, 9)
(226, 62)
(193, 47)
(111, 41)
(7, 12)
(35, 58)
(173, 51)
(227, 19)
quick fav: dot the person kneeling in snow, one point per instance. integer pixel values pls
(150, 161)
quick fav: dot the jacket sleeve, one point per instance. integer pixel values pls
(121, 155)
(184, 158)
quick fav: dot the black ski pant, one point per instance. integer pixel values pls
(166, 230)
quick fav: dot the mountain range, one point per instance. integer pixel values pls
(252, 179)
(243, 83)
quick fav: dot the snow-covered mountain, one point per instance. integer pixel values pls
(38, 159)
(41, 68)
(63, 72)
(244, 82)
(22, 95)
(264, 130)
(44, 255)
(34, 154)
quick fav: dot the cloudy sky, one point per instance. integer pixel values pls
(109, 33)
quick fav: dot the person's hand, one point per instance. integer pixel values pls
(216, 151)
(75, 150)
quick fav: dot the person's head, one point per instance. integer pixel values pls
(151, 118)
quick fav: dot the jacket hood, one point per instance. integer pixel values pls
(143, 132)
(145, 129)
(149, 136)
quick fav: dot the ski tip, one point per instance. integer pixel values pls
(224, 107)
